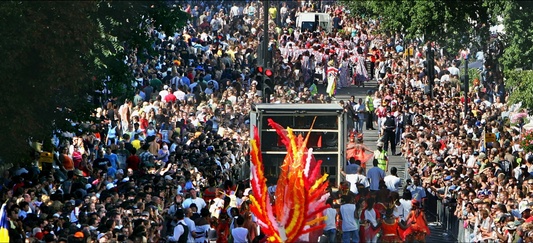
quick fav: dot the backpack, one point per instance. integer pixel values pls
(506, 167)
(184, 238)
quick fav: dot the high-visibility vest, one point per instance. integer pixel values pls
(369, 104)
(382, 159)
(314, 89)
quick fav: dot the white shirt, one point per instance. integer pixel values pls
(399, 211)
(357, 178)
(406, 205)
(74, 215)
(234, 11)
(240, 235)
(163, 93)
(348, 217)
(178, 231)
(180, 95)
(393, 182)
(201, 232)
(192, 228)
(331, 213)
(371, 216)
(200, 203)
(454, 71)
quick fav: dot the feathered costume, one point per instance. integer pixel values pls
(356, 150)
(300, 194)
(418, 229)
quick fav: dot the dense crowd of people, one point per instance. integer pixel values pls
(172, 163)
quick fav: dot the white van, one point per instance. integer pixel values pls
(311, 21)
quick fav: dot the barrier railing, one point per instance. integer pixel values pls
(443, 214)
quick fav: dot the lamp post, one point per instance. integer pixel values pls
(465, 56)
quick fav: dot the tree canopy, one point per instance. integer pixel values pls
(451, 23)
(58, 53)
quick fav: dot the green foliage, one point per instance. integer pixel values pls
(520, 84)
(518, 37)
(57, 55)
(451, 23)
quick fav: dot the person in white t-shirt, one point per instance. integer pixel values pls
(392, 181)
(200, 203)
(239, 233)
(330, 230)
(350, 220)
(406, 205)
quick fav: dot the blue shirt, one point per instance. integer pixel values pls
(399, 48)
(185, 81)
(352, 169)
(375, 175)
(418, 192)
(113, 158)
(111, 172)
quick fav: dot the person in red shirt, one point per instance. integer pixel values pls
(85, 167)
(133, 161)
(170, 97)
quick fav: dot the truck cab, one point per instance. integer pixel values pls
(311, 21)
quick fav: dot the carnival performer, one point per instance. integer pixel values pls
(418, 229)
(360, 73)
(370, 219)
(344, 71)
(223, 228)
(357, 150)
(392, 228)
(332, 76)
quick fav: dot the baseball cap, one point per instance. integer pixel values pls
(447, 178)
(100, 236)
(168, 177)
(110, 186)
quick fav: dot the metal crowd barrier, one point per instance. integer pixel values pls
(443, 214)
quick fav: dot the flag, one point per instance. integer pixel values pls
(4, 225)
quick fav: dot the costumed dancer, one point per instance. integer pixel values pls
(418, 230)
(371, 222)
(332, 76)
(357, 150)
(361, 74)
(344, 72)
(392, 228)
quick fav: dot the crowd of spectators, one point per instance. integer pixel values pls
(174, 158)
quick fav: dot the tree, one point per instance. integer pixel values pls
(57, 55)
(450, 23)
(520, 84)
(518, 36)
(518, 51)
